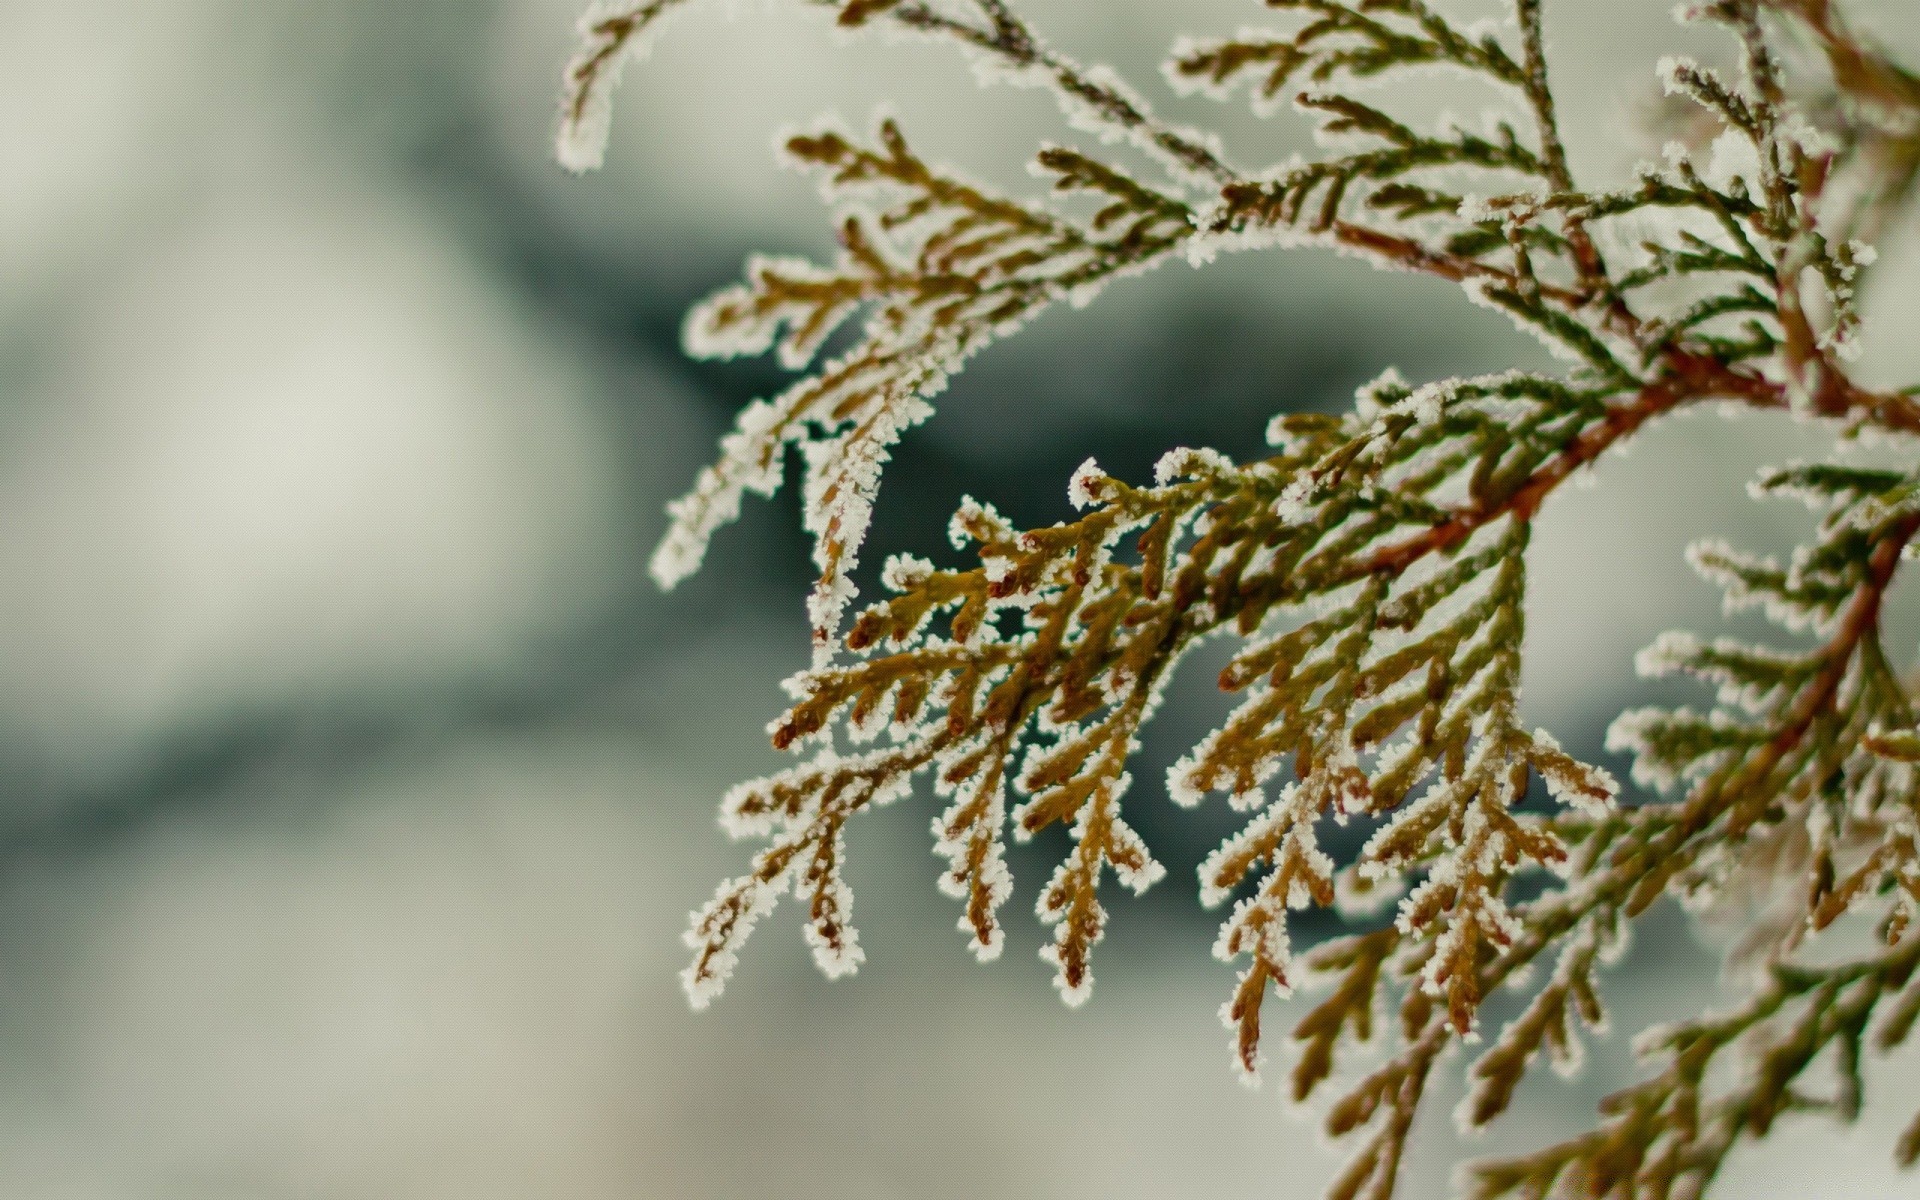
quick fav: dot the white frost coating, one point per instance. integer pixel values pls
(1083, 490)
(836, 959)
(722, 926)
(1672, 70)
(1569, 785)
(843, 474)
(796, 686)
(1248, 1073)
(1187, 46)
(1669, 654)
(904, 572)
(754, 900)
(1183, 778)
(1190, 462)
(750, 461)
(612, 34)
(1795, 129)
(1843, 341)
(1079, 875)
(715, 330)
(1777, 481)
(845, 417)
(1182, 787)
(1263, 937)
(1299, 873)
(1478, 210)
(1375, 397)
(1428, 401)
(1213, 238)
(1589, 943)
(970, 513)
(1051, 71)
(1632, 732)
(1375, 864)
(830, 934)
(1478, 915)
(1732, 156)
(1071, 994)
(1355, 897)
(1654, 1039)
(1277, 818)
(1720, 564)
(744, 811)
(1126, 844)
(1295, 499)
(1293, 812)
(955, 839)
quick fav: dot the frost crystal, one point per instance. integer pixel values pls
(1083, 490)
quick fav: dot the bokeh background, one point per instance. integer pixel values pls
(355, 783)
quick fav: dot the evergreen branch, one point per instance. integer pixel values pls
(1372, 569)
(1742, 775)
(1586, 257)
(1354, 40)
(980, 266)
(612, 32)
(1671, 1134)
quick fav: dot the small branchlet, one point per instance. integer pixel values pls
(941, 268)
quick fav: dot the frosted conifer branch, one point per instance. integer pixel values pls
(1371, 572)
(612, 32)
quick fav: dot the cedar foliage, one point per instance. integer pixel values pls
(1371, 571)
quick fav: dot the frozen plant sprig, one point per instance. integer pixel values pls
(1371, 572)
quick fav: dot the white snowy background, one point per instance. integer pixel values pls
(354, 785)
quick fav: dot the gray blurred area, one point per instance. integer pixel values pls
(354, 782)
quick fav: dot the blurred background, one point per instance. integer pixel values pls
(355, 783)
